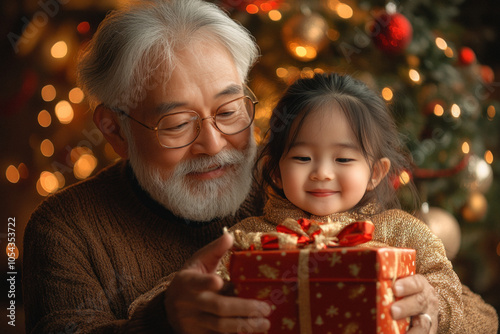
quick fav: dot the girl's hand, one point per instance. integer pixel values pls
(419, 301)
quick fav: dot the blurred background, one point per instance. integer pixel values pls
(436, 63)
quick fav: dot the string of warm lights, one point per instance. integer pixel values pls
(314, 37)
(305, 35)
(82, 160)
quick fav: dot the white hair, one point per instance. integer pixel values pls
(137, 45)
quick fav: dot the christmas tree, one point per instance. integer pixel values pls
(443, 99)
(411, 51)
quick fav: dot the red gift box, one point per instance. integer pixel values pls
(327, 291)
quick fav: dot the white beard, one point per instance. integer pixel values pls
(199, 200)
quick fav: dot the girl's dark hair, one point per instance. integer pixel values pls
(367, 115)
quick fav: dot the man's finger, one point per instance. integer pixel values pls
(193, 280)
(408, 306)
(409, 285)
(419, 301)
(224, 306)
(207, 259)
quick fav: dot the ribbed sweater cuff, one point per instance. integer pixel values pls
(150, 318)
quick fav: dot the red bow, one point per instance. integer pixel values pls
(356, 233)
(304, 232)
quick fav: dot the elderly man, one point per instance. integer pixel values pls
(135, 248)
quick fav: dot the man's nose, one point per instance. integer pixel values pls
(210, 141)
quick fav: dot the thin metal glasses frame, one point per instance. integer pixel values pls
(200, 120)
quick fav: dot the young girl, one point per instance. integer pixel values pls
(332, 153)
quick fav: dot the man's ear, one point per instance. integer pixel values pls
(380, 170)
(107, 121)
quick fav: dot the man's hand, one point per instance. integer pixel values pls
(194, 306)
(418, 299)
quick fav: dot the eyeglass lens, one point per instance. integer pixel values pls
(182, 128)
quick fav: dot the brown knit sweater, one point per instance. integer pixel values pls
(96, 248)
(97, 257)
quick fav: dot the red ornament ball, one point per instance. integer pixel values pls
(391, 33)
(487, 74)
(466, 56)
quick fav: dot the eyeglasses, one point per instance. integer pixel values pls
(179, 129)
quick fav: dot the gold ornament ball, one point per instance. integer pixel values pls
(475, 207)
(305, 35)
(444, 225)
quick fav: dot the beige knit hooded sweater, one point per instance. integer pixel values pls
(396, 228)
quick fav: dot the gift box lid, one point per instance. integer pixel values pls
(331, 264)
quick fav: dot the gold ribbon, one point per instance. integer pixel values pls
(304, 294)
(253, 240)
(397, 257)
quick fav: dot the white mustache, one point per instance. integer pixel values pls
(194, 200)
(207, 163)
